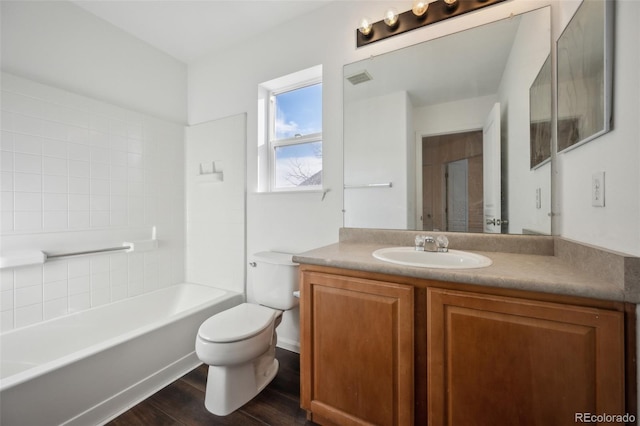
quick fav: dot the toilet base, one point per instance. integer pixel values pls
(230, 387)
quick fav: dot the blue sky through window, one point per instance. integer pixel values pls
(299, 112)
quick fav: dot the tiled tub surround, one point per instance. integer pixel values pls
(534, 263)
(75, 173)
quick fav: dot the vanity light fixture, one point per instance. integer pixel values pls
(391, 17)
(365, 27)
(422, 13)
(420, 8)
(451, 4)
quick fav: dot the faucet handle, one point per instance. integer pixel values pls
(442, 243)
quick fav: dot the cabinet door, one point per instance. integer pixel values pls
(356, 350)
(498, 360)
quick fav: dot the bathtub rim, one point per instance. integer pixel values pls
(41, 369)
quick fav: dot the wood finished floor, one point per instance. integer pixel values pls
(182, 402)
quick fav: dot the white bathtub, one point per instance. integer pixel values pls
(85, 368)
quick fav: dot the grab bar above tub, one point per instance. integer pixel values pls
(82, 253)
(12, 259)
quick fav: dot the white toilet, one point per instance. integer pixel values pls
(239, 344)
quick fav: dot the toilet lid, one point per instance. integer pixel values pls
(238, 323)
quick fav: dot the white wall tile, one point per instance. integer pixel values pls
(6, 221)
(28, 201)
(100, 296)
(54, 130)
(73, 163)
(54, 148)
(27, 163)
(54, 290)
(79, 152)
(118, 293)
(55, 221)
(27, 144)
(78, 135)
(6, 321)
(28, 315)
(79, 220)
(55, 308)
(55, 166)
(6, 279)
(99, 170)
(100, 187)
(55, 184)
(79, 302)
(79, 267)
(6, 161)
(119, 158)
(79, 185)
(98, 139)
(6, 300)
(26, 276)
(55, 270)
(79, 202)
(79, 285)
(55, 202)
(6, 181)
(99, 202)
(27, 182)
(6, 201)
(27, 221)
(27, 125)
(25, 296)
(6, 145)
(100, 219)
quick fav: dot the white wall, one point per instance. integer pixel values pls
(216, 203)
(377, 153)
(78, 173)
(60, 44)
(617, 225)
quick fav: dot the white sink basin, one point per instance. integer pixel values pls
(453, 259)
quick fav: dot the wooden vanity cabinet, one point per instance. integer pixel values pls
(499, 360)
(356, 359)
(391, 350)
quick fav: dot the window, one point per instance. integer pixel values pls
(293, 121)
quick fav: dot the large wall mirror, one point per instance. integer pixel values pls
(437, 136)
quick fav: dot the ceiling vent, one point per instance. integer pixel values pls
(359, 77)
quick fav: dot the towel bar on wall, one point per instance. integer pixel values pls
(370, 185)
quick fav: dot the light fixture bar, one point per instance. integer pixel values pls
(438, 11)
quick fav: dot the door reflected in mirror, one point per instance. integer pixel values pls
(438, 137)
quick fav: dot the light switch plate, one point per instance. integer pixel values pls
(597, 189)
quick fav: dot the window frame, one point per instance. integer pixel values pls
(273, 143)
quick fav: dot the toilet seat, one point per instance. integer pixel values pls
(239, 323)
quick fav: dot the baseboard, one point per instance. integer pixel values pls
(290, 345)
(111, 408)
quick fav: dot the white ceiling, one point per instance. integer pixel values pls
(189, 29)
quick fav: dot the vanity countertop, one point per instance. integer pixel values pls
(532, 272)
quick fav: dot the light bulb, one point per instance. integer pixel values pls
(420, 7)
(391, 17)
(365, 26)
(451, 3)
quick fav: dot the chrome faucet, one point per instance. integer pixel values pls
(428, 243)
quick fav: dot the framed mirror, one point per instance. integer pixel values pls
(437, 135)
(585, 75)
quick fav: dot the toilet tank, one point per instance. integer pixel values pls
(275, 278)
